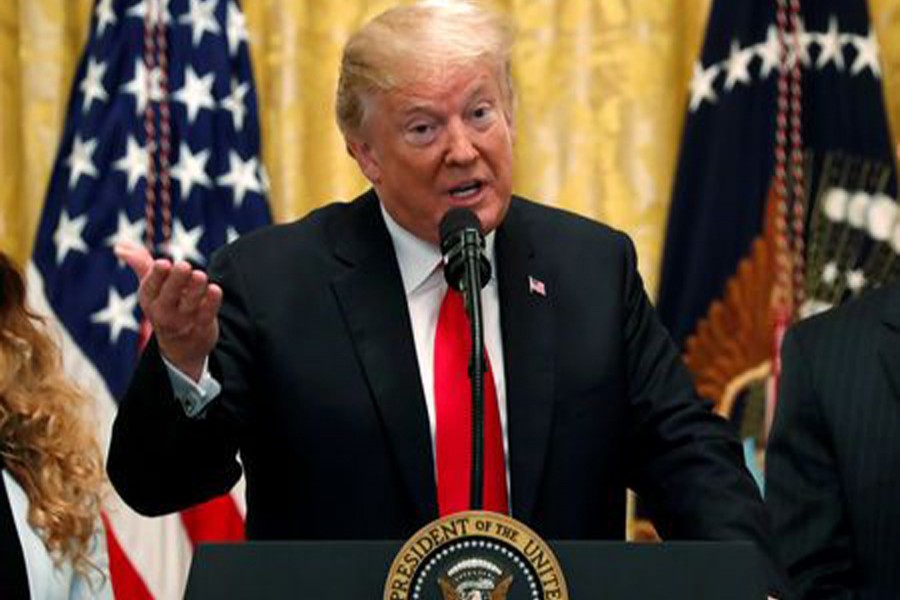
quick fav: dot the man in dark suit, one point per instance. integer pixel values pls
(319, 370)
(833, 463)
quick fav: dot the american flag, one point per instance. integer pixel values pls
(162, 129)
(536, 286)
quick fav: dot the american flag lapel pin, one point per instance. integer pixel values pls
(536, 286)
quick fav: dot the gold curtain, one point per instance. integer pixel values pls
(602, 87)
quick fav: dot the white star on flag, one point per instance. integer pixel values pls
(196, 93)
(236, 30)
(137, 87)
(738, 66)
(702, 85)
(201, 17)
(185, 243)
(92, 84)
(241, 177)
(126, 231)
(191, 170)
(105, 15)
(831, 47)
(118, 314)
(81, 160)
(769, 52)
(140, 10)
(234, 103)
(798, 45)
(133, 162)
(68, 236)
(866, 54)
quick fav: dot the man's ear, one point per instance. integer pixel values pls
(365, 157)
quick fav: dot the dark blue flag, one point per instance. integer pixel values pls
(726, 162)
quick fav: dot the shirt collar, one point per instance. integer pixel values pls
(417, 258)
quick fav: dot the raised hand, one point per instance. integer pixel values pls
(181, 305)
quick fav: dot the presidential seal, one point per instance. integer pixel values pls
(475, 555)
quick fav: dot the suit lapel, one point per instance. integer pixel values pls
(370, 294)
(527, 325)
(889, 345)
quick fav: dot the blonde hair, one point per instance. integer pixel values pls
(46, 442)
(431, 35)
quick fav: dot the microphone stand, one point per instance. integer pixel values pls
(471, 287)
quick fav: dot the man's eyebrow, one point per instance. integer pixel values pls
(483, 94)
(414, 108)
(479, 89)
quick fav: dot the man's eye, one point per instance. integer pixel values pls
(483, 114)
(420, 133)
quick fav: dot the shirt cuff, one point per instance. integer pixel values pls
(193, 396)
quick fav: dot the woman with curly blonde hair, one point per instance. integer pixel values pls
(51, 540)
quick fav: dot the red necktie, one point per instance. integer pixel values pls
(453, 416)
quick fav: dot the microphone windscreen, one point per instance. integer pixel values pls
(462, 242)
(455, 220)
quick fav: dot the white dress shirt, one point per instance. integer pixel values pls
(45, 580)
(425, 287)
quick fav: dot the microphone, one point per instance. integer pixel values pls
(462, 242)
(468, 270)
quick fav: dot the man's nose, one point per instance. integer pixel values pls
(460, 149)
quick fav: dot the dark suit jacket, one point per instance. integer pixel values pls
(833, 481)
(13, 570)
(323, 399)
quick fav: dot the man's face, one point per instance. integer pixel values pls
(438, 143)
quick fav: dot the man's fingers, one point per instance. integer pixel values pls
(179, 300)
(193, 293)
(174, 287)
(202, 317)
(153, 282)
(208, 310)
(136, 257)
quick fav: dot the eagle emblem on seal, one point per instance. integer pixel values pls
(475, 579)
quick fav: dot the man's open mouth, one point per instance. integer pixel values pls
(466, 190)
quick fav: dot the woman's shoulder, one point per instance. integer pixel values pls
(45, 578)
